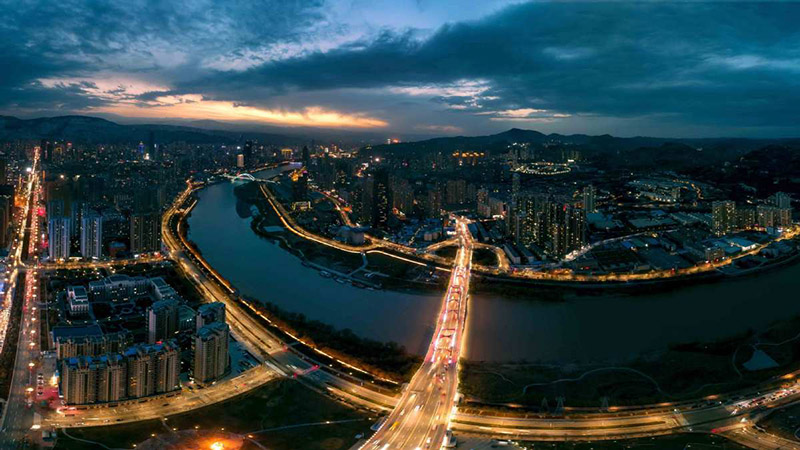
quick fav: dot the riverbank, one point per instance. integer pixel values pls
(384, 360)
(531, 323)
(682, 372)
(370, 269)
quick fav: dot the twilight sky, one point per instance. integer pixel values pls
(405, 66)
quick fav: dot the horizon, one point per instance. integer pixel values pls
(301, 131)
(688, 70)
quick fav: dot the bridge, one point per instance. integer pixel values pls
(241, 177)
(422, 416)
(245, 177)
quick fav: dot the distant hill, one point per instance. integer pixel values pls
(97, 130)
(605, 150)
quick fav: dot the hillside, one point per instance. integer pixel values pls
(605, 150)
(96, 130)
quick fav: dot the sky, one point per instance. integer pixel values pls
(435, 67)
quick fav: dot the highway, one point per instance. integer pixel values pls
(246, 322)
(17, 418)
(155, 408)
(422, 416)
(424, 412)
(278, 360)
(430, 420)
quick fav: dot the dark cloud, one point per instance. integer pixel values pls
(159, 42)
(711, 64)
(652, 67)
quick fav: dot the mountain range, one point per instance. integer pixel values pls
(96, 130)
(605, 151)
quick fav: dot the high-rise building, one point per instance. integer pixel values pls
(6, 212)
(141, 372)
(112, 378)
(746, 217)
(723, 217)
(383, 203)
(58, 230)
(240, 161)
(3, 171)
(589, 199)
(403, 196)
(556, 226)
(162, 320)
(145, 232)
(209, 313)
(150, 151)
(433, 202)
(92, 236)
(46, 150)
(515, 187)
(167, 366)
(247, 154)
(153, 369)
(79, 380)
(483, 208)
(299, 185)
(773, 216)
(211, 352)
(367, 200)
(782, 200)
(306, 157)
(456, 192)
(73, 341)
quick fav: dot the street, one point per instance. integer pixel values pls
(422, 416)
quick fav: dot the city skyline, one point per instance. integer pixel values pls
(436, 68)
(399, 224)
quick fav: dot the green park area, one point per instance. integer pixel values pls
(283, 414)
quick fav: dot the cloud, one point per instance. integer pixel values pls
(195, 107)
(441, 129)
(664, 68)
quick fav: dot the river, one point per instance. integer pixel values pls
(582, 329)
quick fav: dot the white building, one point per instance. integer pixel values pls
(78, 300)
